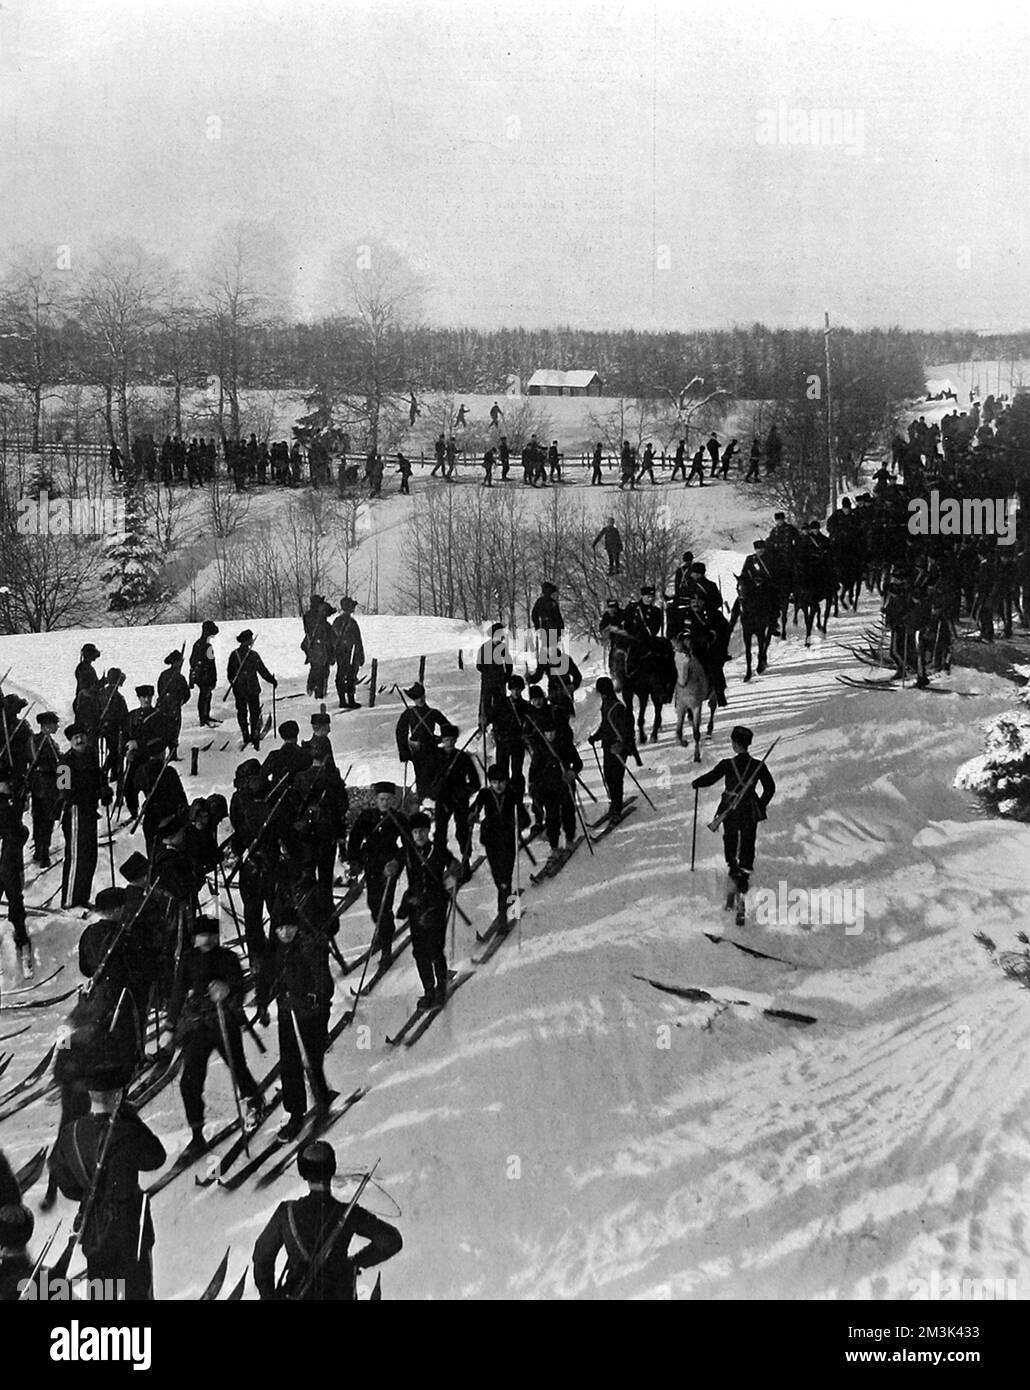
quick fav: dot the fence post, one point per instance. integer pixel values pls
(373, 683)
(421, 670)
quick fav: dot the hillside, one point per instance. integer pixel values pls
(567, 1130)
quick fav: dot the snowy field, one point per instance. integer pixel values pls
(567, 1130)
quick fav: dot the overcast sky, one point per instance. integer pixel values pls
(588, 163)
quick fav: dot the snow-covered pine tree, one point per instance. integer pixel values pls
(133, 559)
(1001, 774)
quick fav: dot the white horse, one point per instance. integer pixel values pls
(693, 689)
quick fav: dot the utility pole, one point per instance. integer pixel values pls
(829, 417)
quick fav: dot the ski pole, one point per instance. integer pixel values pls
(224, 1030)
(371, 947)
(583, 824)
(110, 839)
(39, 1263)
(604, 780)
(633, 779)
(693, 833)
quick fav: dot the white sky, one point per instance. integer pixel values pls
(531, 157)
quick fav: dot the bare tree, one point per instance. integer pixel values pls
(246, 284)
(376, 294)
(34, 302)
(122, 298)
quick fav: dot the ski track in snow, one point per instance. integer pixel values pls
(565, 1130)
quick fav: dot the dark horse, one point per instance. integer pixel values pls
(650, 675)
(758, 608)
(814, 583)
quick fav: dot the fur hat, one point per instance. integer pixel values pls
(316, 1162)
(289, 728)
(416, 691)
(245, 638)
(743, 736)
(386, 788)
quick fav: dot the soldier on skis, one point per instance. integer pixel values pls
(204, 1013)
(96, 1162)
(748, 791)
(375, 848)
(204, 672)
(245, 666)
(316, 1232)
(349, 653)
(433, 875)
(615, 735)
(504, 819)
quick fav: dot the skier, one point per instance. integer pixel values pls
(114, 717)
(245, 666)
(82, 789)
(596, 479)
(647, 464)
(86, 704)
(697, 467)
(416, 735)
(615, 734)
(413, 409)
(173, 692)
(440, 450)
(203, 671)
(612, 537)
(552, 776)
(375, 848)
(318, 645)
(504, 455)
(547, 620)
(404, 469)
(508, 729)
(321, 824)
(461, 417)
(489, 459)
(457, 784)
(316, 1231)
(614, 631)
(679, 464)
(13, 834)
(749, 789)
(204, 1013)
(432, 881)
(43, 786)
(504, 820)
(96, 1162)
(554, 462)
(146, 736)
(754, 459)
(253, 842)
(713, 452)
(349, 654)
(628, 467)
(493, 662)
(496, 415)
(295, 973)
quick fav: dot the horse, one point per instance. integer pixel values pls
(814, 583)
(849, 564)
(694, 687)
(758, 607)
(650, 675)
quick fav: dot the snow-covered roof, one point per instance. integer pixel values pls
(546, 377)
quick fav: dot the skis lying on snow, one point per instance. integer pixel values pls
(16, 1032)
(38, 1003)
(719, 937)
(30, 1079)
(236, 1294)
(214, 1288)
(419, 1019)
(703, 996)
(36, 984)
(5, 1062)
(29, 1173)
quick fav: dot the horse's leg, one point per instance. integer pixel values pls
(747, 653)
(681, 714)
(713, 704)
(809, 620)
(695, 724)
(657, 718)
(763, 636)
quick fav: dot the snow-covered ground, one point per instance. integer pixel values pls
(567, 1130)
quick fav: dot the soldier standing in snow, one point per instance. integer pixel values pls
(203, 672)
(173, 692)
(245, 666)
(82, 789)
(316, 1231)
(349, 653)
(749, 789)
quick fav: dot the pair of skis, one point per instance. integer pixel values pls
(415, 1025)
